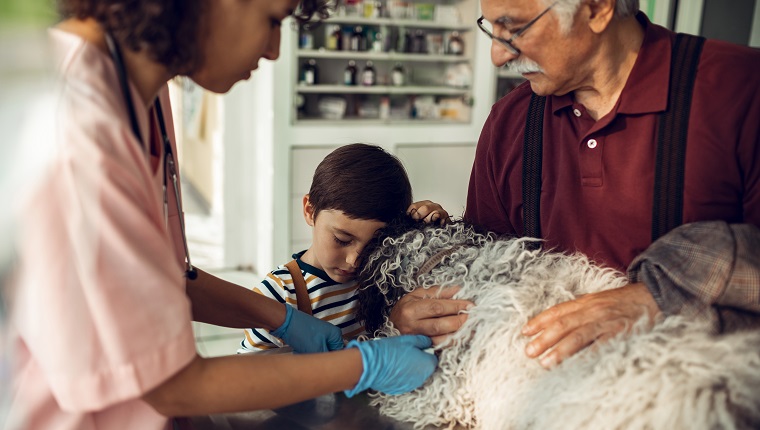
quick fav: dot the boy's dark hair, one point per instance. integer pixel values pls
(363, 181)
(167, 29)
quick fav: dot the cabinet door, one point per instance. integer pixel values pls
(439, 173)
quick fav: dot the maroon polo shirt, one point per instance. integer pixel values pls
(598, 176)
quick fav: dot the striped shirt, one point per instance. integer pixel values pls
(330, 301)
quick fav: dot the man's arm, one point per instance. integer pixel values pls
(710, 270)
(707, 270)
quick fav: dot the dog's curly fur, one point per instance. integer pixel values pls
(675, 375)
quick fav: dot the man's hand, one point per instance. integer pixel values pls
(431, 312)
(428, 212)
(571, 326)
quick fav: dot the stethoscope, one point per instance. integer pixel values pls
(169, 165)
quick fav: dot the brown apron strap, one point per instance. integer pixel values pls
(302, 294)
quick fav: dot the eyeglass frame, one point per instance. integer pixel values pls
(508, 43)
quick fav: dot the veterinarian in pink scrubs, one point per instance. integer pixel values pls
(104, 295)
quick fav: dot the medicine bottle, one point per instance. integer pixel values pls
(385, 107)
(368, 74)
(456, 44)
(334, 39)
(358, 42)
(306, 41)
(349, 75)
(309, 72)
(419, 43)
(377, 43)
(397, 75)
(406, 42)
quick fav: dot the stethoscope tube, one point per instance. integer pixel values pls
(169, 165)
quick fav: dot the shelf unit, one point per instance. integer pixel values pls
(428, 94)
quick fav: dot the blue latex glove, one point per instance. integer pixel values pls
(394, 365)
(307, 334)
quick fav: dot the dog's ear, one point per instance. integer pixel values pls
(373, 304)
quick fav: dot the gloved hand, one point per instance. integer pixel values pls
(307, 334)
(394, 365)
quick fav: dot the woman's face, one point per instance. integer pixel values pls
(235, 35)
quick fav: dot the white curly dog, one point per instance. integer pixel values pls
(673, 376)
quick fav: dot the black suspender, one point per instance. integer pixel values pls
(531, 176)
(667, 210)
(671, 145)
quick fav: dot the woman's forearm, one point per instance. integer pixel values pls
(250, 382)
(219, 302)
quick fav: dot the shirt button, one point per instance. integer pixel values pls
(577, 112)
(591, 143)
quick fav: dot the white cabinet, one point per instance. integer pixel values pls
(439, 173)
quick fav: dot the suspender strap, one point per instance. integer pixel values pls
(667, 210)
(531, 176)
(302, 294)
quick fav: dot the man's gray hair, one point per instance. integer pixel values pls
(565, 10)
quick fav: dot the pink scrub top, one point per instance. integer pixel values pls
(99, 311)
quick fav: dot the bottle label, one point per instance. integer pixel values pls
(368, 77)
(398, 78)
(308, 77)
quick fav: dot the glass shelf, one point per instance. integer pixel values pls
(413, 23)
(381, 89)
(374, 121)
(380, 56)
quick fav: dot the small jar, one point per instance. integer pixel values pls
(349, 75)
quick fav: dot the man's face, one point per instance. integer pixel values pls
(337, 242)
(553, 61)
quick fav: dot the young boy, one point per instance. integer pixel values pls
(356, 190)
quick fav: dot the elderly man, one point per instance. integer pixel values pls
(593, 167)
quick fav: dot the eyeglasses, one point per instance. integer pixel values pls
(508, 43)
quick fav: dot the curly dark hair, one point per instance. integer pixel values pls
(167, 29)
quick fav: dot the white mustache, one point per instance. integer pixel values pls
(521, 66)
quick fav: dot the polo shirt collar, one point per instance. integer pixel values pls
(646, 90)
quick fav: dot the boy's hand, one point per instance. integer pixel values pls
(428, 212)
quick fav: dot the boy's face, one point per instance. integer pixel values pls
(337, 241)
